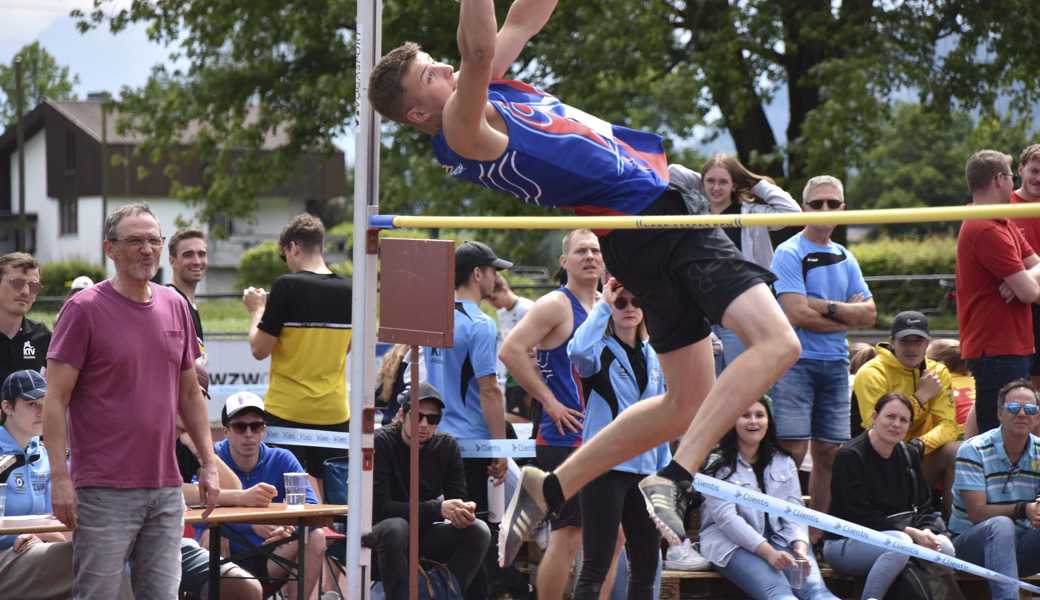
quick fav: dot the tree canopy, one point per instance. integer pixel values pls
(42, 78)
(669, 66)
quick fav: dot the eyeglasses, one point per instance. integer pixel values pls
(431, 418)
(1015, 407)
(140, 242)
(622, 303)
(19, 283)
(240, 428)
(832, 203)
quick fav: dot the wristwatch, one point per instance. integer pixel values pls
(832, 310)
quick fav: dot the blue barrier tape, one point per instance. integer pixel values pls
(338, 439)
(806, 516)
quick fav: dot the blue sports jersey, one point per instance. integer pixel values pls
(454, 372)
(28, 489)
(561, 156)
(563, 380)
(829, 272)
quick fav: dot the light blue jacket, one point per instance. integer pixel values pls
(726, 526)
(28, 485)
(609, 383)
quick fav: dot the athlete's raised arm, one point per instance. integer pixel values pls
(525, 19)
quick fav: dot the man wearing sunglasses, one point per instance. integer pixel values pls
(998, 279)
(25, 342)
(254, 462)
(995, 510)
(823, 293)
(449, 529)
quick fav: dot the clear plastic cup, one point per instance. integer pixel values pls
(295, 490)
(796, 574)
(3, 498)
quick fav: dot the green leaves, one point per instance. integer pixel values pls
(42, 78)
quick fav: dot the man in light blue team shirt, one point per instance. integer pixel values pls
(822, 292)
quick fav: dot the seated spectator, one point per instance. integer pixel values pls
(995, 508)
(462, 541)
(254, 462)
(901, 366)
(750, 547)
(877, 482)
(948, 352)
(859, 355)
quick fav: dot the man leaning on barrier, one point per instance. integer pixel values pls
(995, 508)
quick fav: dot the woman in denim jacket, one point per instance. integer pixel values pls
(758, 552)
(618, 368)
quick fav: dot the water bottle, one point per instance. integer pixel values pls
(496, 501)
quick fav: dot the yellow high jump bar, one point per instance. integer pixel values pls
(830, 217)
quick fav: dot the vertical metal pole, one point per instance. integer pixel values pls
(104, 174)
(363, 344)
(22, 238)
(413, 484)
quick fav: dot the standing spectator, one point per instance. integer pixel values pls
(995, 508)
(510, 309)
(948, 352)
(189, 257)
(618, 368)
(474, 407)
(254, 462)
(120, 371)
(1029, 191)
(25, 341)
(877, 483)
(731, 188)
(751, 548)
(823, 294)
(901, 366)
(304, 326)
(390, 381)
(997, 273)
(449, 530)
(553, 383)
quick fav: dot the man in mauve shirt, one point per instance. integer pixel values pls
(121, 368)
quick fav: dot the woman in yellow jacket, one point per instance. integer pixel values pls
(901, 366)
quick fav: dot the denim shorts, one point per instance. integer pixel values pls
(812, 402)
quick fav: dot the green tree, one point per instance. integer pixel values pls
(664, 65)
(42, 78)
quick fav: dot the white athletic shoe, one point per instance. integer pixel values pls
(685, 557)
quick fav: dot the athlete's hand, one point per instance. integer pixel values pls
(611, 290)
(566, 419)
(63, 500)
(254, 299)
(259, 495)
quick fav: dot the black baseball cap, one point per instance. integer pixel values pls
(426, 392)
(910, 322)
(470, 255)
(27, 384)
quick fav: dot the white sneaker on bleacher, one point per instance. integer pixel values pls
(685, 557)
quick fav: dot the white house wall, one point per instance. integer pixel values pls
(36, 200)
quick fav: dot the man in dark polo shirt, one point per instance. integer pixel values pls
(189, 258)
(24, 341)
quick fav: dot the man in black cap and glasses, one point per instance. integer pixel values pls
(449, 530)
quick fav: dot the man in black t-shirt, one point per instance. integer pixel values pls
(24, 342)
(189, 258)
(304, 326)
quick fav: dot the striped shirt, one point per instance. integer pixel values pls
(983, 465)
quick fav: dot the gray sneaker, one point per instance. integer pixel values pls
(684, 557)
(526, 510)
(666, 501)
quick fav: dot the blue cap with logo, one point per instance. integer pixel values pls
(27, 384)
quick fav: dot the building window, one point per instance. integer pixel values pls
(68, 211)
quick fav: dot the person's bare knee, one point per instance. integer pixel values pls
(757, 319)
(823, 454)
(237, 584)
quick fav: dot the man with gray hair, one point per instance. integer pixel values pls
(120, 371)
(822, 292)
(998, 278)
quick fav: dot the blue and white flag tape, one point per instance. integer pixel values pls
(754, 499)
(337, 439)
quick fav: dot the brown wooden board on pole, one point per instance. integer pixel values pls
(417, 292)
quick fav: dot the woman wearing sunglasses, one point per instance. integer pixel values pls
(618, 368)
(878, 483)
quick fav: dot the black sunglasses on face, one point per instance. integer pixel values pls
(431, 418)
(240, 428)
(622, 303)
(832, 203)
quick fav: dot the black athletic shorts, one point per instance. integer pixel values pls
(684, 278)
(550, 457)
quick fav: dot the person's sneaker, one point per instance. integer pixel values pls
(666, 501)
(685, 557)
(526, 510)
(541, 535)
(331, 596)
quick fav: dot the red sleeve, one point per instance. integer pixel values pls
(999, 250)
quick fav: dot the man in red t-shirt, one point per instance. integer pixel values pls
(998, 278)
(1029, 191)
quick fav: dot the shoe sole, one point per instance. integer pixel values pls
(662, 527)
(504, 558)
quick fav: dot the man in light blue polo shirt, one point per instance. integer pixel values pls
(823, 294)
(995, 509)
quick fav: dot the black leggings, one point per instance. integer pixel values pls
(607, 501)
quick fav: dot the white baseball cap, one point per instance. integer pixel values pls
(240, 401)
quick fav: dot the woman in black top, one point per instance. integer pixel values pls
(875, 478)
